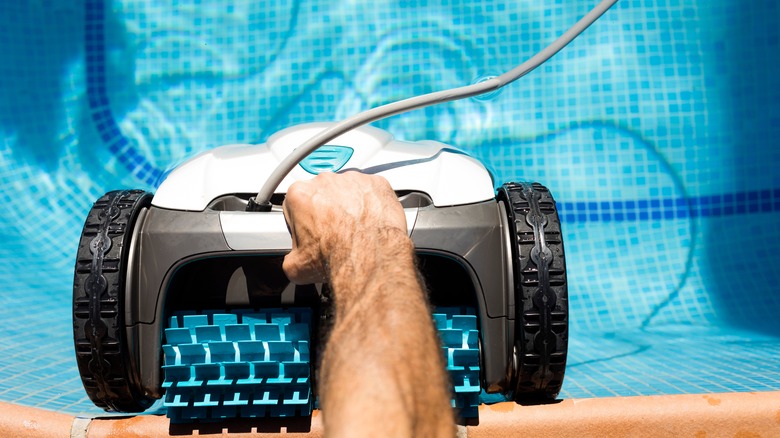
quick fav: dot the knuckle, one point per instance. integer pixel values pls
(383, 185)
(292, 191)
(296, 191)
(325, 176)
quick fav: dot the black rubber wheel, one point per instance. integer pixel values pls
(98, 303)
(541, 293)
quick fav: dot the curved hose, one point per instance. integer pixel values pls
(263, 200)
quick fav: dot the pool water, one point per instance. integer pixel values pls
(656, 130)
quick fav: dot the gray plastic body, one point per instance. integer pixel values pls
(475, 236)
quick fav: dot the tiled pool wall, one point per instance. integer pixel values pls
(656, 130)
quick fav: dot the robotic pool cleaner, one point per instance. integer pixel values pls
(180, 295)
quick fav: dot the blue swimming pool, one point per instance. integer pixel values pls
(657, 130)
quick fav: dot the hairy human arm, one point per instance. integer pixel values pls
(382, 372)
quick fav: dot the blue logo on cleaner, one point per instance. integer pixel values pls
(327, 159)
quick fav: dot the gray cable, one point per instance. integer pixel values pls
(391, 109)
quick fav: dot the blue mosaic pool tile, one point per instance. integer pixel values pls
(655, 131)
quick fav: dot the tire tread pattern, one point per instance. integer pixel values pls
(541, 339)
(98, 294)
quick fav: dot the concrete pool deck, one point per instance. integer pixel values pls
(748, 414)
